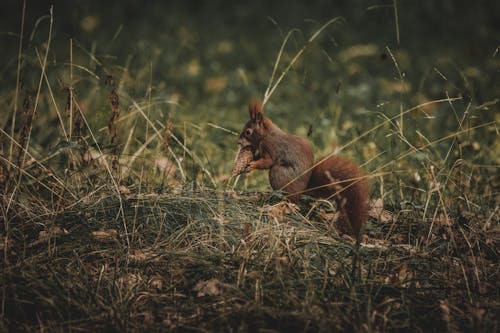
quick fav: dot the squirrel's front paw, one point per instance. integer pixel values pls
(250, 167)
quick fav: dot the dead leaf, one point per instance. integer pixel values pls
(401, 278)
(404, 274)
(443, 220)
(105, 235)
(281, 210)
(376, 208)
(378, 212)
(130, 280)
(208, 288)
(139, 255)
(376, 243)
(246, 196)
(164, 164)
(124, 190)
(45, 235)
(156, 282)
(329, 217)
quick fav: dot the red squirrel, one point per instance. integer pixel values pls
(291, 166)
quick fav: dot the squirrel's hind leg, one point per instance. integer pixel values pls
(343, 223)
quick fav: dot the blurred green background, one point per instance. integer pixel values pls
(200, 62)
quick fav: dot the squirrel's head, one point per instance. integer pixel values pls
(255, 128)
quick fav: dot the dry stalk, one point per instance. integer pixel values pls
(167, 133)
(4, 169)
(114, 101)
(28, 113)
(77, 129)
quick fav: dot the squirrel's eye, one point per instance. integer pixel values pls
(248, 132)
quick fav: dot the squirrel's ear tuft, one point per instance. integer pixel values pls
(255, 110)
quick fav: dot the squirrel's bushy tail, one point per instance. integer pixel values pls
(340, 179)
(356, 205)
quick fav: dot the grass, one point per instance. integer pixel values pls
(118, 213)
(269, 269)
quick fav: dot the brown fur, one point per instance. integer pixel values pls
(340, 179)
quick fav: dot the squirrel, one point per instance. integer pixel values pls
(291, 166)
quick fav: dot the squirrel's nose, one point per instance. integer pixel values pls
(244, 142)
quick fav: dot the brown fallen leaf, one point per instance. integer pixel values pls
(156, 282)
(401, 278)
(281, 210)
(124, 190)
(376, 207)
(164, 164)
(105, 235)
(139, 255)
(378, 212)
(376, 243)
(130, 280)
(45, 235)
(443, 220)
(208, 288)
(329, 217)
(247, 196)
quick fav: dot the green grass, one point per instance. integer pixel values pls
(118, 212)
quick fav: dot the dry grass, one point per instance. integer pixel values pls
(269, 268)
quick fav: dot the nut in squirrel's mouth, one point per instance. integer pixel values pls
(242, 161)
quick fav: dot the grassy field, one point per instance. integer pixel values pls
(118, 132)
